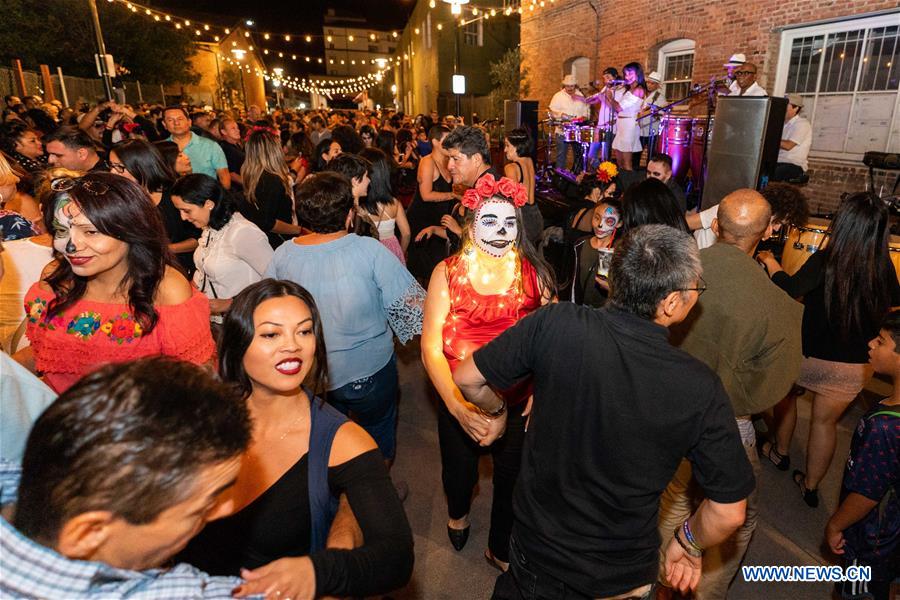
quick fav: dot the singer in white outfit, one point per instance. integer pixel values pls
(628, 131)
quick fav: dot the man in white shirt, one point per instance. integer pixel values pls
(654, 99)
(796, 139)
(568, 103)
(744, 83)
(605, 129)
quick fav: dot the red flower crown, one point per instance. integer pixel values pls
(487, 187)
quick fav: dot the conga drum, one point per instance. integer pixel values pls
(699, 137)
(675, 140)
(803, 241)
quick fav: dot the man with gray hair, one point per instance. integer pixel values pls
(748, 331)
(615, 410)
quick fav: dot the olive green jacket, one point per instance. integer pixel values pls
(745, 328)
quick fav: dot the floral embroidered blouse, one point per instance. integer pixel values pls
(89, 334)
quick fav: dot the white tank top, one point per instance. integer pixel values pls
(386, 229)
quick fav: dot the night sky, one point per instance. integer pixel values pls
(291, 16)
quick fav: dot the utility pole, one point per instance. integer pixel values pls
(101, 50)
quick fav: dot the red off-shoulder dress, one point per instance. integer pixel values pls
(90, 334)
(476, 319)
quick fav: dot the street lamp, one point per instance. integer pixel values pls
(239, 56)
(456, 6)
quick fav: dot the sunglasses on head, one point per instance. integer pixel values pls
(66, 184)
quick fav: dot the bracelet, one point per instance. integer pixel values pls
(497, 413)
(689, 536)
(689, 550)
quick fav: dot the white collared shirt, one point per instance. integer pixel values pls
(563, 103)
(754, 90)
(799, 131)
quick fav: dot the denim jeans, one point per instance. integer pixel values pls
(562, 154)
(372, 403)
(526, 581)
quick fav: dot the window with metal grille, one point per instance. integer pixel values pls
(849, 76)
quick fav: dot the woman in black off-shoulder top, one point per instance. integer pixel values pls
(304, 456)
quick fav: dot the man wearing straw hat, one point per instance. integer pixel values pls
(743, 76)
(796, 139)
(654, 99)
(568, 103)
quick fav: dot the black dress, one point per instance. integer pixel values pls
(424, 256)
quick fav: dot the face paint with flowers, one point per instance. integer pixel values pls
(63, 216)
(607, 222)
(495, 227)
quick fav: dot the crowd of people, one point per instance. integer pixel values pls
(200, 386)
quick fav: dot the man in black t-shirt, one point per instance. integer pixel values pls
(231, 146)
(616, 408)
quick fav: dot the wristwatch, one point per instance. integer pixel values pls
(497, 413)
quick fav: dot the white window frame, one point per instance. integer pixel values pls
(849, 24)
(681, 47)
(478, 34)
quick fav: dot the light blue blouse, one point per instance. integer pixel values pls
(362, 292)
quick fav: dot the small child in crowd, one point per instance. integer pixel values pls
(865, 528)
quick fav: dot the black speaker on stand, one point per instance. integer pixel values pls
(522, 114)
(743, 151)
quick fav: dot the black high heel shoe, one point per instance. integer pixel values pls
(458, 537)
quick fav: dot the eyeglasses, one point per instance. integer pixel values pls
(117, 167)
(66, 184)
(701, 287)
(742, 73)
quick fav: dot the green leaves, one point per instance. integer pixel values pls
(59, 33)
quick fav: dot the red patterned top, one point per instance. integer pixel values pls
(89, 334)
(475, 319)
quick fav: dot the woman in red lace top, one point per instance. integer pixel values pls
(496, 279)
(112, 294)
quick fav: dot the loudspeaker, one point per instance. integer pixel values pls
(743, 150)
(522, 113)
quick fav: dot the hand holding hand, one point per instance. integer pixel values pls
(496, 429)
(475, 424)
(283, 579)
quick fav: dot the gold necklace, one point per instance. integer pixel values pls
(291, 427)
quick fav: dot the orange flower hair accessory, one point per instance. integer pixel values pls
(488, 187)
(606, 171)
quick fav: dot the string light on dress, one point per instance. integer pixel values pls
(478, 266)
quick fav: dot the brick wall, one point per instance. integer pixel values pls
(614, 33)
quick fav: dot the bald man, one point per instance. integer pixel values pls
(747, 330)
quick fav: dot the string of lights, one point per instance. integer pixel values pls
(216, 33)
(325, 87)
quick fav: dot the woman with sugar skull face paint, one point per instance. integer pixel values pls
(494, 280)
(606, 221)
(113, 293)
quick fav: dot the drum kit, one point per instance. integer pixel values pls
(574, 131)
